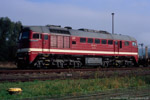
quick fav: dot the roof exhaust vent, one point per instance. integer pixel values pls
(53, 25)
(68, 27)
(95, 31)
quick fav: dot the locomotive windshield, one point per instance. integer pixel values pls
(24, 35)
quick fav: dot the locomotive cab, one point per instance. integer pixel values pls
(24, 39)
(28, 40)
(32, 42)
(23, 45)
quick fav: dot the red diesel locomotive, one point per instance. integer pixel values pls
(54, 46)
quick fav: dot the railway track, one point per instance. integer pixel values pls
(17, 71)
(51, 74)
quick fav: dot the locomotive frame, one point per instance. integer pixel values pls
(53, 46)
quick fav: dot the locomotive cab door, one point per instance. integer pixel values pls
(45, 43)
(116, 47)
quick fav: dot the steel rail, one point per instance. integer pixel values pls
(68, 70)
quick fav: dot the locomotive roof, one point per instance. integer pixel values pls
(80, 32)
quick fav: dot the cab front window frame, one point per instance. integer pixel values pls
(25, 35)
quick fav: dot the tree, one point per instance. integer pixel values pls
(9, 32)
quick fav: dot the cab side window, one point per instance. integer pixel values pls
(97, 41)
(45, 37)
(110, 42)
(116, 42)
(126, 43)
(104, 41)
(36, 36)
(134, 44)
(90, 40)
(82, 40)
(73, 42)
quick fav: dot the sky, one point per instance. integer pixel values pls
(132, 17)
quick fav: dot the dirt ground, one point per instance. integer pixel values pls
(7, 65)
(141, 93)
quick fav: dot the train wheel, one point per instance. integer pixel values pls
(60, 65)
(79, 64)
(22, 65)
(38, 64)
(74, 65)
(105, 64)
(19, 66)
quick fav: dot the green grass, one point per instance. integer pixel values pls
(53, 88)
